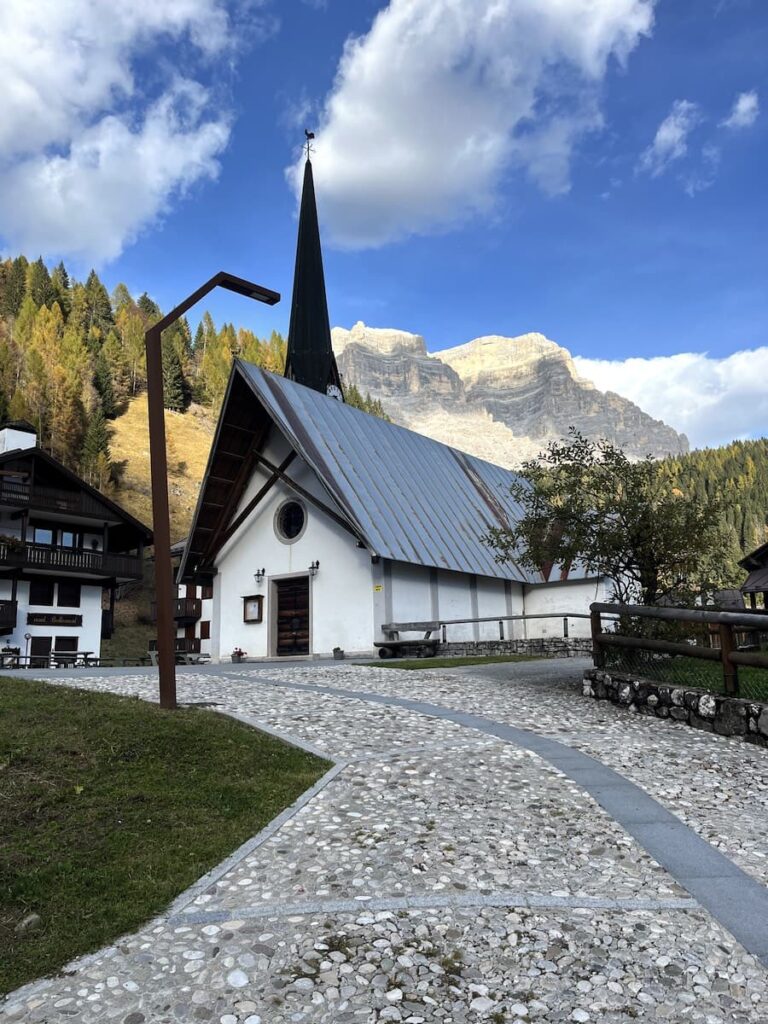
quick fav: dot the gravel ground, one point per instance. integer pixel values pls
(441, 874)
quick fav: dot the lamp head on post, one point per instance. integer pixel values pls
(314, 568)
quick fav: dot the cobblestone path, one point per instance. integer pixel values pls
(443, 873)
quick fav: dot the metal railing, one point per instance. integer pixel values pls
(80, 559)
(730, 640)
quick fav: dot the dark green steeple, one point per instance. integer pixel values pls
(310, 359)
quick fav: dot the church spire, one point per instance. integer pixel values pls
(310, 359)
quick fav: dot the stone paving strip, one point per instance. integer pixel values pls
(718, 786)
(487, 819)
(438, 873)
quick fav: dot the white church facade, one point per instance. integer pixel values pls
(319, 524)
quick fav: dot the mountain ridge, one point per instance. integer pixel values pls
(497, 397)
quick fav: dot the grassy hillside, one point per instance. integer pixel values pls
(189, 438)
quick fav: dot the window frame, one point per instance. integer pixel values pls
(42, 582)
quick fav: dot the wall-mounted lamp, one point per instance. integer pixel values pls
(259, 575)
(314, 568)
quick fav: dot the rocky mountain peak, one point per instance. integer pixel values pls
(382, 340)
(504, 358)
(502, 399)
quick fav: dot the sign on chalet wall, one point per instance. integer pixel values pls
(53, 619)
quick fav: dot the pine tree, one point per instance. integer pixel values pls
(175, 389)
(61, 288)
(116, 362)
(101, 318)
(96, 456)
(14, 287)
(39, 285)
(149, 309)
(121, 297)
(102, 381)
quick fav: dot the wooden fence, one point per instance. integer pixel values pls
(730, 638)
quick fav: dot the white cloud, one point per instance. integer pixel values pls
(671, 140)
(442, 98)
(93, 143)
(711, 400)
(744, 112)
(703, 177)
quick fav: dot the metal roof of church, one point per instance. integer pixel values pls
(413, 499)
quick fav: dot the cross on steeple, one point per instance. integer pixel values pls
(310, 359)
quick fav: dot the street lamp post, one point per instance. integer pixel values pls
(166, 654)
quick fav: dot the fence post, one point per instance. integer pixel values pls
(501, 629)
(565, 627)
(598, 654)
(730, 671)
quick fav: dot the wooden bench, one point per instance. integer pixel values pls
(394, 647)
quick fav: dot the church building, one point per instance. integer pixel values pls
(318, 524)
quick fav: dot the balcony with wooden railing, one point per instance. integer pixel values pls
(186, 610)
(182, 645)
(21, 494)
(44, 556)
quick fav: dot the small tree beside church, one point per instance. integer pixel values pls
(585, 502)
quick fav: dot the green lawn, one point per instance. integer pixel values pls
(110, 807)
(416, 663)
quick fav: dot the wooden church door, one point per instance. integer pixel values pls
(293, 616)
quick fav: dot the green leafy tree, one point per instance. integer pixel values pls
(585, 502)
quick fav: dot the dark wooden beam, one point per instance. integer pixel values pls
(272, 480)
(236, 489)
(309, 497)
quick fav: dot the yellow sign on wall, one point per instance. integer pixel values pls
(378, 588)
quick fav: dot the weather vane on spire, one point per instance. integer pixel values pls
(308, 144)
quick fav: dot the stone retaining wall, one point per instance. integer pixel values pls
(546, 647)
(727, 716)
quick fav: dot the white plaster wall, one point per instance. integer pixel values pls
(341, 595)
(11, 439)
(561, 598)
(410, 593)
(454, 599)
(491, 600)
(88, 635)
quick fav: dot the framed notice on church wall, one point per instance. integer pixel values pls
(253, 608)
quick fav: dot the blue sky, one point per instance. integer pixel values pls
(590, 169)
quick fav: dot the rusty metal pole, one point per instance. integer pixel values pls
(161, 521)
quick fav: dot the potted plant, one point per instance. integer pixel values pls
(238, 654)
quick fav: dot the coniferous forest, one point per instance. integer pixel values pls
(72, 358)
